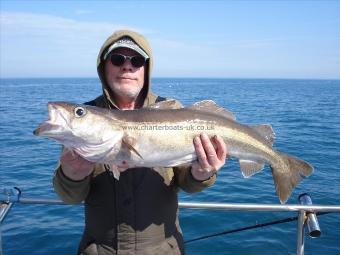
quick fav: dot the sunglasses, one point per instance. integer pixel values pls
(119, 60)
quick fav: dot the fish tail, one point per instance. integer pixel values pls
(288, 173)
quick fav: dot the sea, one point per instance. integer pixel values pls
(305, 115)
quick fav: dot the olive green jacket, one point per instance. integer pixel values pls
(139, 213)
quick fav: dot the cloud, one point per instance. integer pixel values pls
(40, 45)
(16, 24)
(82, 12)
(50, 43)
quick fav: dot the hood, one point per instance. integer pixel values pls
(143, 43)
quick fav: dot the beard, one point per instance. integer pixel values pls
(126, 91)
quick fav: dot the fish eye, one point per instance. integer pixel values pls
(79, 111)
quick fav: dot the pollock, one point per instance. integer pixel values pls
(162, 136)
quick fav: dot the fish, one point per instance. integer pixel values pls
(162, 136)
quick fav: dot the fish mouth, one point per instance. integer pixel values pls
(56, 125)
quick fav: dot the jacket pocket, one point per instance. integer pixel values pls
(167, 247)
(172, 242)
(90, 250)
(98, 249)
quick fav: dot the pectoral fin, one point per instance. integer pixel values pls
(249, 167)
(131, 148)
(115, 171)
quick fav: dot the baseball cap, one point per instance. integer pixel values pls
(126, 42)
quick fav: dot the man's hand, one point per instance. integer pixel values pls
(211, 156)
(74, 166)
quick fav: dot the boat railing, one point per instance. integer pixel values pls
(306, 210)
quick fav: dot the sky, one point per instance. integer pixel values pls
(222, 39)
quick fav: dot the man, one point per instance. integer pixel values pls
(139, 213)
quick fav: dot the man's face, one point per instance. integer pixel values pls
(125, 81)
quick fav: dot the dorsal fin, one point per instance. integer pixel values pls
(211, 106)
(266, 131)
(167, 104)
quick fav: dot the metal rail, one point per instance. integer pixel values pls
(306, 211)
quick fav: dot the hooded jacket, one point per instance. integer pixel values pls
(139, 213)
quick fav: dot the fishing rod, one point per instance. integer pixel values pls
(315, 233)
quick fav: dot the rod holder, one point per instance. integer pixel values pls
(8, 195)
(7, 198)
(311, 219)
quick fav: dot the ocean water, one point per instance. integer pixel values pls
(305, 115)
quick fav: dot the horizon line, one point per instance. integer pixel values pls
(176, 77)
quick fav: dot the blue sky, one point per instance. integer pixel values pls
(242, 39)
